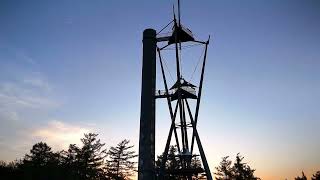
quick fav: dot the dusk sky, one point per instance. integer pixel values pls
(71, 67)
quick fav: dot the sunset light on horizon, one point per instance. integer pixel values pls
(68, 68)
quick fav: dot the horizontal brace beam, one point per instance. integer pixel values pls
(161, 39)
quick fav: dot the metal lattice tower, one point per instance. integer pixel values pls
(178, 97)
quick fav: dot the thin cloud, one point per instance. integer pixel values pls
(59, 134)
(56, 133)
(9, 115)
(33, 91)
(15, 95)
(38, 82)
(26, 96)
(22, 55)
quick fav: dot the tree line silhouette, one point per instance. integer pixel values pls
(315, 176)
(92, 161)
(238, 170)
(89, 162)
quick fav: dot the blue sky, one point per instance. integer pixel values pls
(69, 67)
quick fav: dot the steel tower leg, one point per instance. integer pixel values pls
(146, 168)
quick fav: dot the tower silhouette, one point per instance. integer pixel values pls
(184, 118)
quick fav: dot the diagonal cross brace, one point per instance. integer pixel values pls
(196, 135)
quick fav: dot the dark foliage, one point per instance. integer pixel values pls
(224, 170)
(316, 176)
(41, 163)
(90, 158)
(77, 163)
(120, 165)
(10, 170)
(237, 171)
(90, 162)
(303, 177)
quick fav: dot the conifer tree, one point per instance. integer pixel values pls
(90, 157)
(316, 176)
(239, 170)
(41, 163)
(224, 170)
(303, 177)
(120, 165)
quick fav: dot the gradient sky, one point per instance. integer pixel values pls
(70, 67)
